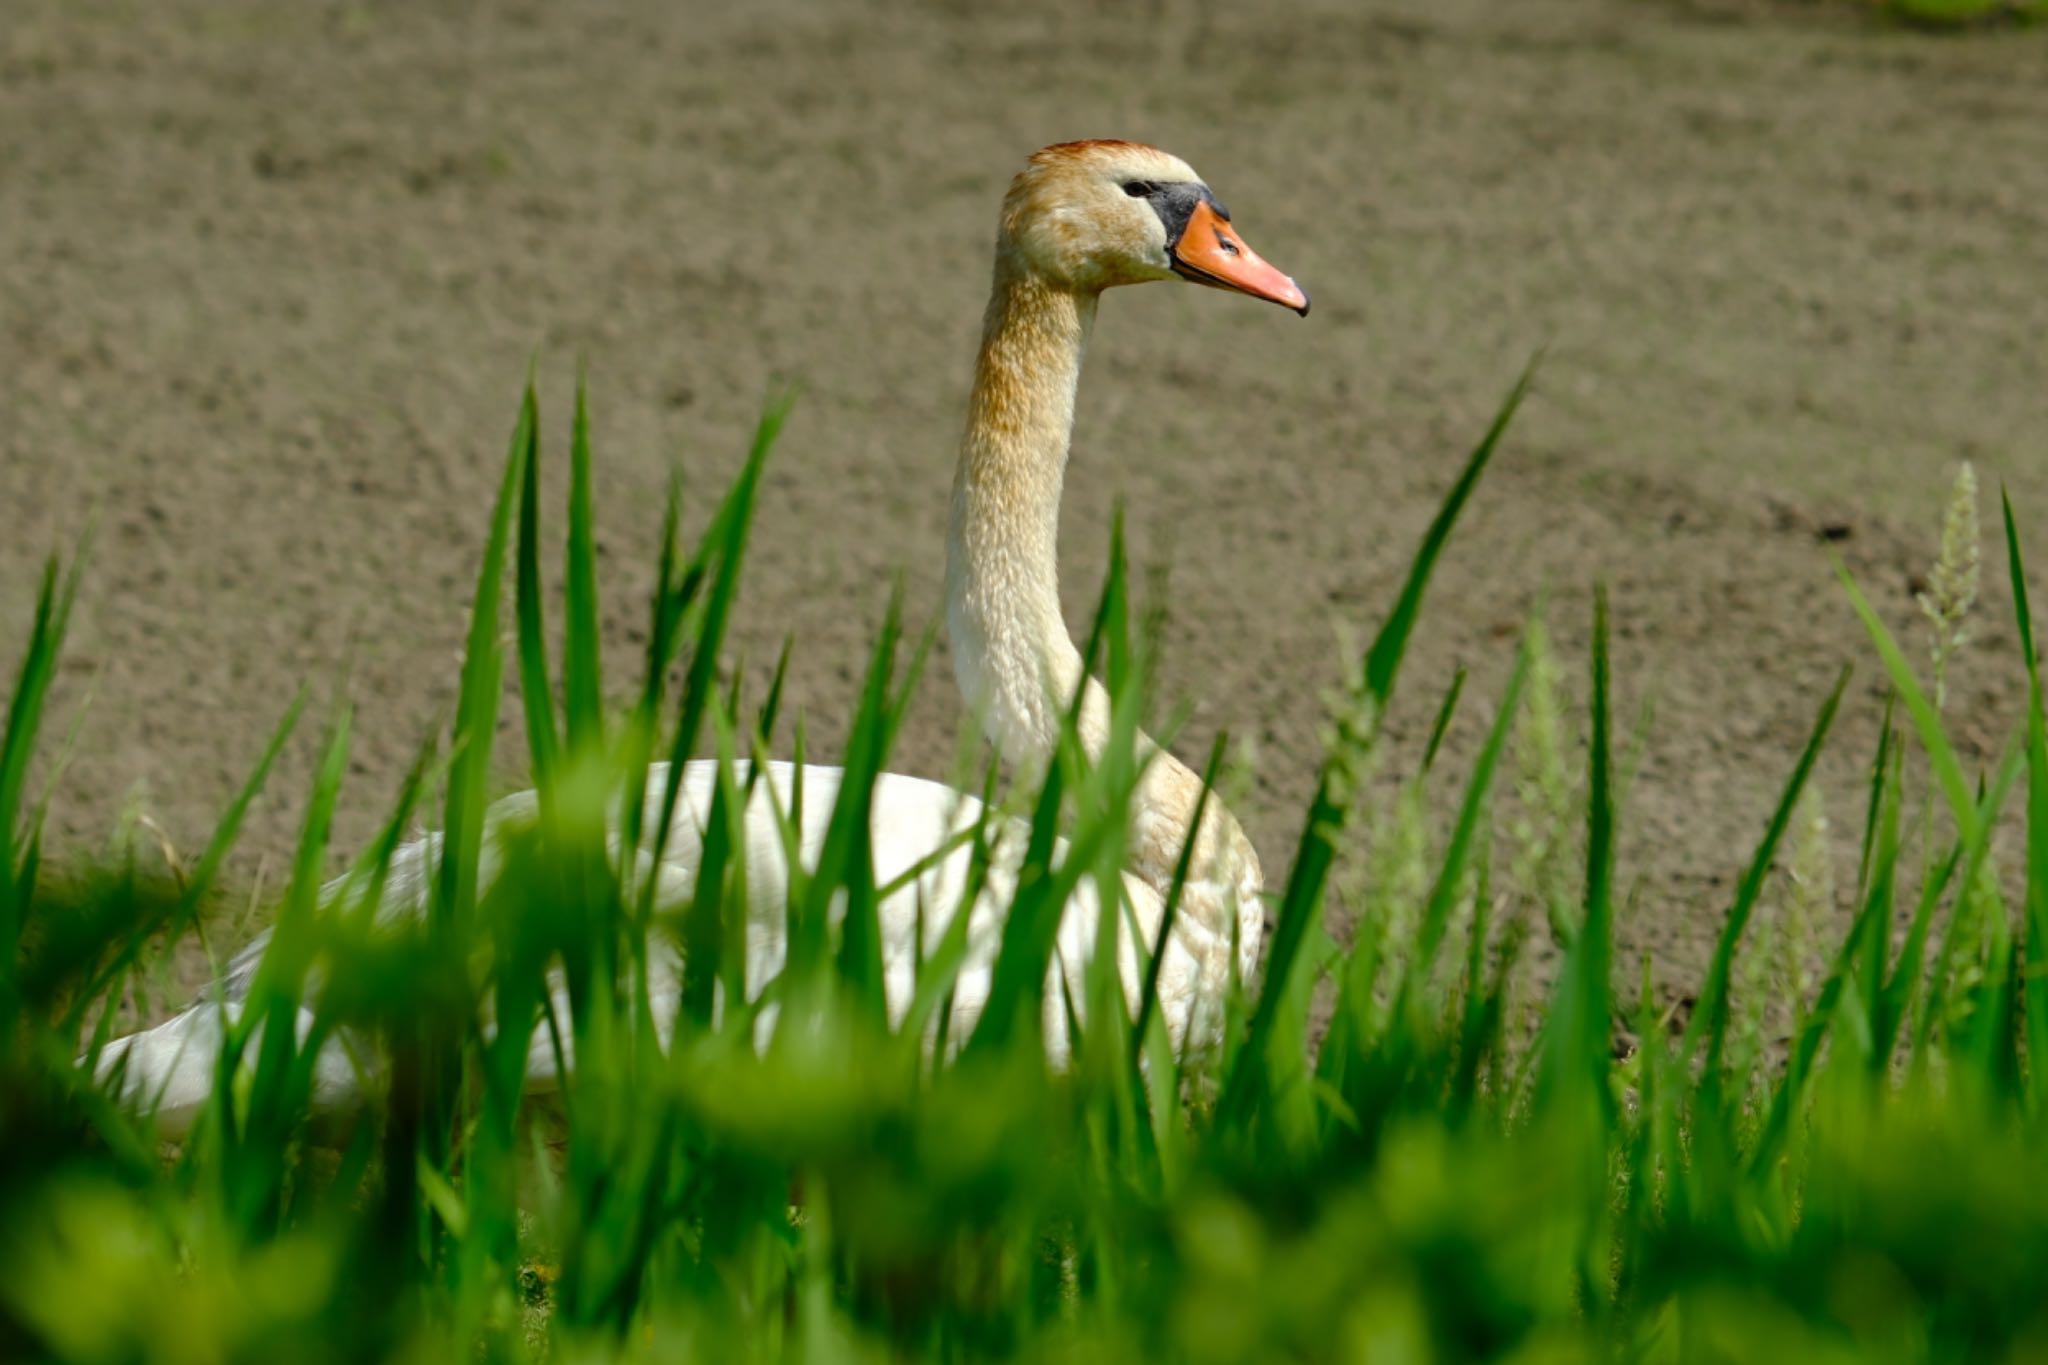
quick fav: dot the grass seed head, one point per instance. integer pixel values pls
(1350, 729)
(1952, 586)
(1810, 898)
(1399, 872)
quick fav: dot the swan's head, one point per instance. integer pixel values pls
(1091, 215)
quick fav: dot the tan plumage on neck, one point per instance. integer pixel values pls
(1016, 663)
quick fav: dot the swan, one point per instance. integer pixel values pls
(1082, 217)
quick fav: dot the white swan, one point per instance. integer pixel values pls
(1082, 217)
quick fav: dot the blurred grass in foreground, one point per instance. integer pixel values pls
(1433, 1181)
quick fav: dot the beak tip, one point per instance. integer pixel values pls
(1302, 309)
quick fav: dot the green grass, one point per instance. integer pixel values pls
(1428, 1181)
(1960, 14)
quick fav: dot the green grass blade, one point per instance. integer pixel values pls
(536, 689)
(1576, 1050)
(1976, 848)
(1904, 984)
(1948, 770)
(726, 542)
(1444, 715)
(1383, 660)
(1450, 879)
(724, 545)
(372, 870)
(704, 920)
(1869, 923)
(1878, 768)
(1017, 982)
(1880, 895)
(1148, 999)
(771, 705)
(670, 599)
(279, 1091)
(1368, 1075)
(309, 862)
(582, 646)
(1709, 1021)
(24, 721)
(1482, 1040)
(17, 746)
(256, 1113)
(941, 967)
(1106, 781)
(846, 865)
(673, 591)
(2034, 968)
(1877, 863)
(1989, 1046)
(476, 708)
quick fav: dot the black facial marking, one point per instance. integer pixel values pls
(1175, 204)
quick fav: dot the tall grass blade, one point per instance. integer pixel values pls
(1905, 982)
(1576, 1050)
(1873, 925)
(1970, 897)
(536, 689)
(1451, 876)
(1879, 767)
(1877, 862)
(1709, 1023)
(704, 919)
(1383, 659)
(724, 545)
(941, 966)
(279, 1093)
(1444, 715)
(674, 589)
(846, 864)
(2034, 950)
(476, 707)
(582, 645)
(1148, 998)
(17, 747)
(1948, 770)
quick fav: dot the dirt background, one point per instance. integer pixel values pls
(270, 276)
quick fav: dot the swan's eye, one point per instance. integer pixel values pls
(1138, 189)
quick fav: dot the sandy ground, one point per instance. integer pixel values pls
(270, 276)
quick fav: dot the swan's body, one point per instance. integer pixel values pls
(172, 1065)
(1081, 218)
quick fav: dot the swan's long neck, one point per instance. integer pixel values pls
(1011, 650)
(1016, 663)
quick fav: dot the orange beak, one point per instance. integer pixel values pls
(1210, 252)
